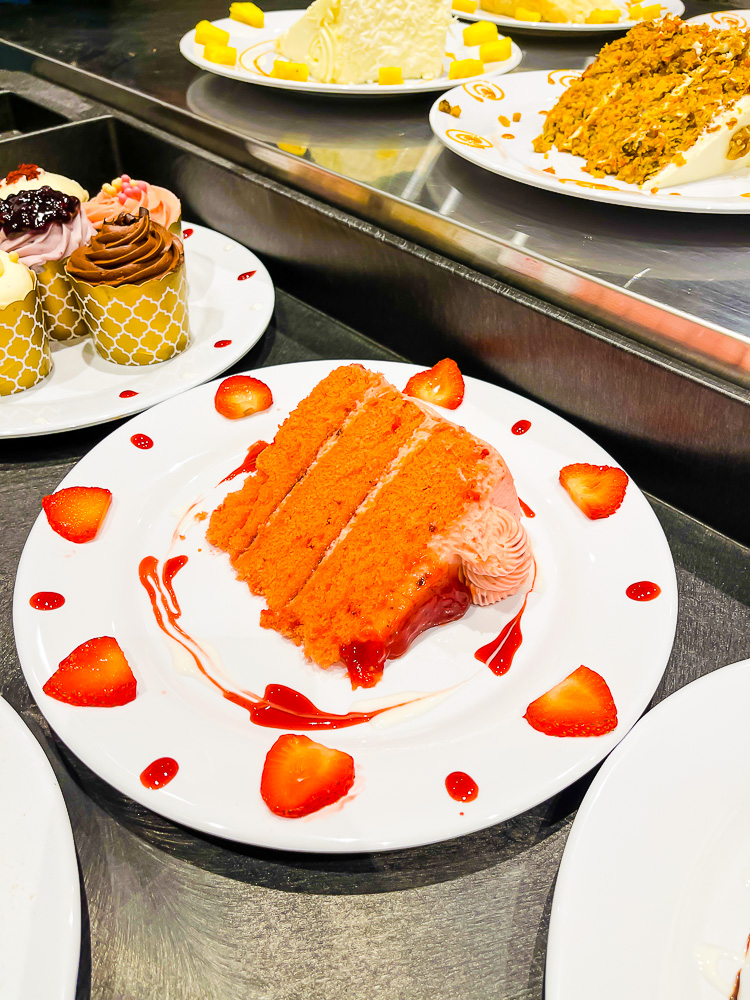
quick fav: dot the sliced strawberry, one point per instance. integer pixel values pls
(443, 385)
(77, 512)
(300, 776)
(240, 395)
(581, 705)
(597, 489)
(95, 675)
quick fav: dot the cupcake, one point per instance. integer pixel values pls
(24, 346)
(30, 177)
(130, 282)
(126, 195)
(44, 226)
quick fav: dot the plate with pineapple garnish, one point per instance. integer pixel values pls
(591, 16)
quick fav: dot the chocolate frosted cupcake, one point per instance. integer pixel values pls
(24, 345)
(44, 226)
(130, 282)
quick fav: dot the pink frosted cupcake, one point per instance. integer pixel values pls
(126, 195)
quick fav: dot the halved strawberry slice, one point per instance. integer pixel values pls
(581, 705)
(443, 385)
(597, 489)
(240, 395)
(300, 776)
(77, 512)
(95, 675)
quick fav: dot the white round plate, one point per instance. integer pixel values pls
(256, 54)
(578, 614)
(40, 902)
(655, 878)
(667, 7)
(479, 137)
(738, 19)
(83, 389)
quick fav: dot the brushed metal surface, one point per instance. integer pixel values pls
(171, 915)
(674, 281)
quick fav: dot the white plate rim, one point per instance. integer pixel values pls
(632, 199)
(670, 6)
(555, 988)
(597, 748)
(257, 323)
(709, 18)
(373, 90)
(64, 951)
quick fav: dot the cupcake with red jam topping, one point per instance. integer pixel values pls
(130, 282)
(44, 226)
(126, 195)
(29, 177)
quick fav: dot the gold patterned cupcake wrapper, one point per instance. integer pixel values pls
(137, 324)
(62, 312)
(24, 345)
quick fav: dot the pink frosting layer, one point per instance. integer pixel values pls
(56, 242)
(495, 554)
(162, 205)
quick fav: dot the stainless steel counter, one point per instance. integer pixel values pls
(675, 281)
(169, 914)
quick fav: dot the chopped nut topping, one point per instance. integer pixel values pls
(739, 144)
(445, 106)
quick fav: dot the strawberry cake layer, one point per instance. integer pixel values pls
(369, 519)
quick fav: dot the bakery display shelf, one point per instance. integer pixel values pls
(168, 912)
(682, 432)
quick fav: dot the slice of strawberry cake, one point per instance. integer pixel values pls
(369, 519)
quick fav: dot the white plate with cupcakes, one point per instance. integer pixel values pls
(231, 621)
(112, 304)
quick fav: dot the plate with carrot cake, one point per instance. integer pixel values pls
(565, 17)
(330, 607)
(660, 119)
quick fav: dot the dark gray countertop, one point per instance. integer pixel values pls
(664, 277)
(172, 915)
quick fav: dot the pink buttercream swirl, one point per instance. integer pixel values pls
(163, 206)
(495, 553)
(56, 242)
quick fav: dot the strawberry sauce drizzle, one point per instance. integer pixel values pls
(245, 275)
(159, 773)
(186, 233)
(142, 441)
(249, 464)
(127, 393)
(643, 590)
(498, 654)
(281, 707)
(222, 343)
(520, 427)
(46, 600)
(526, 509)
(461, 787)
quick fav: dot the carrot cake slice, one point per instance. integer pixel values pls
(387, 519)
(667, 104)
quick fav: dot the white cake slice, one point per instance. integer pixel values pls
(348, 41)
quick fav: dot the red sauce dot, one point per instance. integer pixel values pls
(461, 787)
(186, 233)
(644, 590)
(142, 441)
(526, 509)
(222, 343)
(160, 773)
(245, 275)
(521, 427)
(46, 600)
(127, 393)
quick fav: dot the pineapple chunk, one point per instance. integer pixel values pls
(643, 12)
(207, 33)
(479, 32)
(247, 13)
(497, 51)
(491, 6)
(283, 70)
(599, 16)
(522, 14)
(390, 75)
(465, 6)
(291, 147)
(223, 54)
(460, 68)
